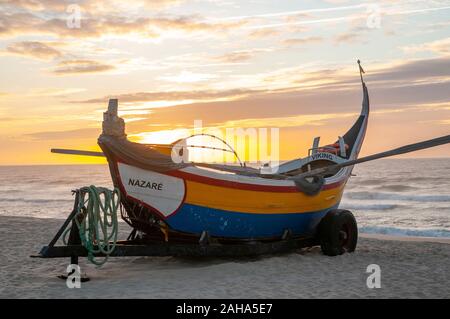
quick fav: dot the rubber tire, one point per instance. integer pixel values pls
(332, 227)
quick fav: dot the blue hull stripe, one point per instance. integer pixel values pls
(222, 223)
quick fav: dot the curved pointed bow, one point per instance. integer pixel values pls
(354, 137)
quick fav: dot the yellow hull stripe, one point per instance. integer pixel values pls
(259, 202)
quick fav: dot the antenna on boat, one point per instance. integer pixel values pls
(361, 71)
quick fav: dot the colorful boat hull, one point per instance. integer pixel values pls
(194, 199)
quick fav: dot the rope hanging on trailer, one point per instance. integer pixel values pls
(97, 223)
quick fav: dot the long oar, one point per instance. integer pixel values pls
(319, 171)
(76, 152)
(90, 153)
(397, 151)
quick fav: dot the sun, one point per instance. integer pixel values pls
(160, 137)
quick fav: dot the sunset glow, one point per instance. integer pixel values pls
(284, 64)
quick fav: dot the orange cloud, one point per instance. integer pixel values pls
(34, 5)
(423, 73)
(33, 49)
(175, 96)
(301, 41)
(63, 135)
(89, 5)
(441, 47)
(239, 56)
(15, 24)
(70, 67)
(264, 33)
(347, 38)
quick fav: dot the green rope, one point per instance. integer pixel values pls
(96, 219)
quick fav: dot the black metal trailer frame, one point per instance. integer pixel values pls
(206, 247)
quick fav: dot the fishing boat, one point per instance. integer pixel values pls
(227, 202)
(176, 206)
(182, 201)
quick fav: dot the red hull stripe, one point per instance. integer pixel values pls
(244, 186)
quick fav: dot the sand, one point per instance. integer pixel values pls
(410, 268)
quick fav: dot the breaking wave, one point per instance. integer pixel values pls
(427, 179)
(405, 197)
(65, 181)
(396, 188)
(36, 200)
(370, 206)
(394, 231)
(370, 182)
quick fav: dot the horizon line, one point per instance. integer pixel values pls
(92, 164)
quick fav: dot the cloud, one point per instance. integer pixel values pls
(188, 77)
(444, 122)
(89, 5)
(169, 135)
(147, 4)
(337, 1)
(301, 41)
(414, 70)
(438, 106)
(264, 33)
(424, 79)
(175, 96)
(71, 67)
(437, 25)
(394, 86)
(286, 121)
(62, 135)
(33, 49)
(96, 26)
(41, 5)
(357, 32)
(55, 91)
(440, 47)
(347, 38)
(12, 24)
(239, 56)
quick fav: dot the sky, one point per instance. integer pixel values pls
(259, 64)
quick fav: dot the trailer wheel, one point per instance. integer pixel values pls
(338, 232)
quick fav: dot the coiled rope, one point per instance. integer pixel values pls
(97, 223)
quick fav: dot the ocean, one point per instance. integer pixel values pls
(405, 197)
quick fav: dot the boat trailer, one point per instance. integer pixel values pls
(134, 246)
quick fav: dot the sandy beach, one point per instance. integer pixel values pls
(410, 268)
